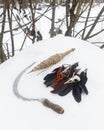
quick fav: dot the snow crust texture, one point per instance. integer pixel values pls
(19, 115)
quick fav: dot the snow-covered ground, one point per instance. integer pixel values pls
(22, 115)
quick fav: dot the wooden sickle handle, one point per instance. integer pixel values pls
(53, 106)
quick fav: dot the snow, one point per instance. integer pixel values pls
(22, 115)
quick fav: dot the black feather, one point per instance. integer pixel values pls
(66, 90)
(72, 69)
(84, 89)
(49, 82)
(76, 93)
(83, 77)
(49, 76)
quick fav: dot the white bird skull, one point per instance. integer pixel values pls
(74, 79)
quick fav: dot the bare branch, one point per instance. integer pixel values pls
(94, 24)
(87, 19)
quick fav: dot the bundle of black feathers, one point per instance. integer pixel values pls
(68, 78)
